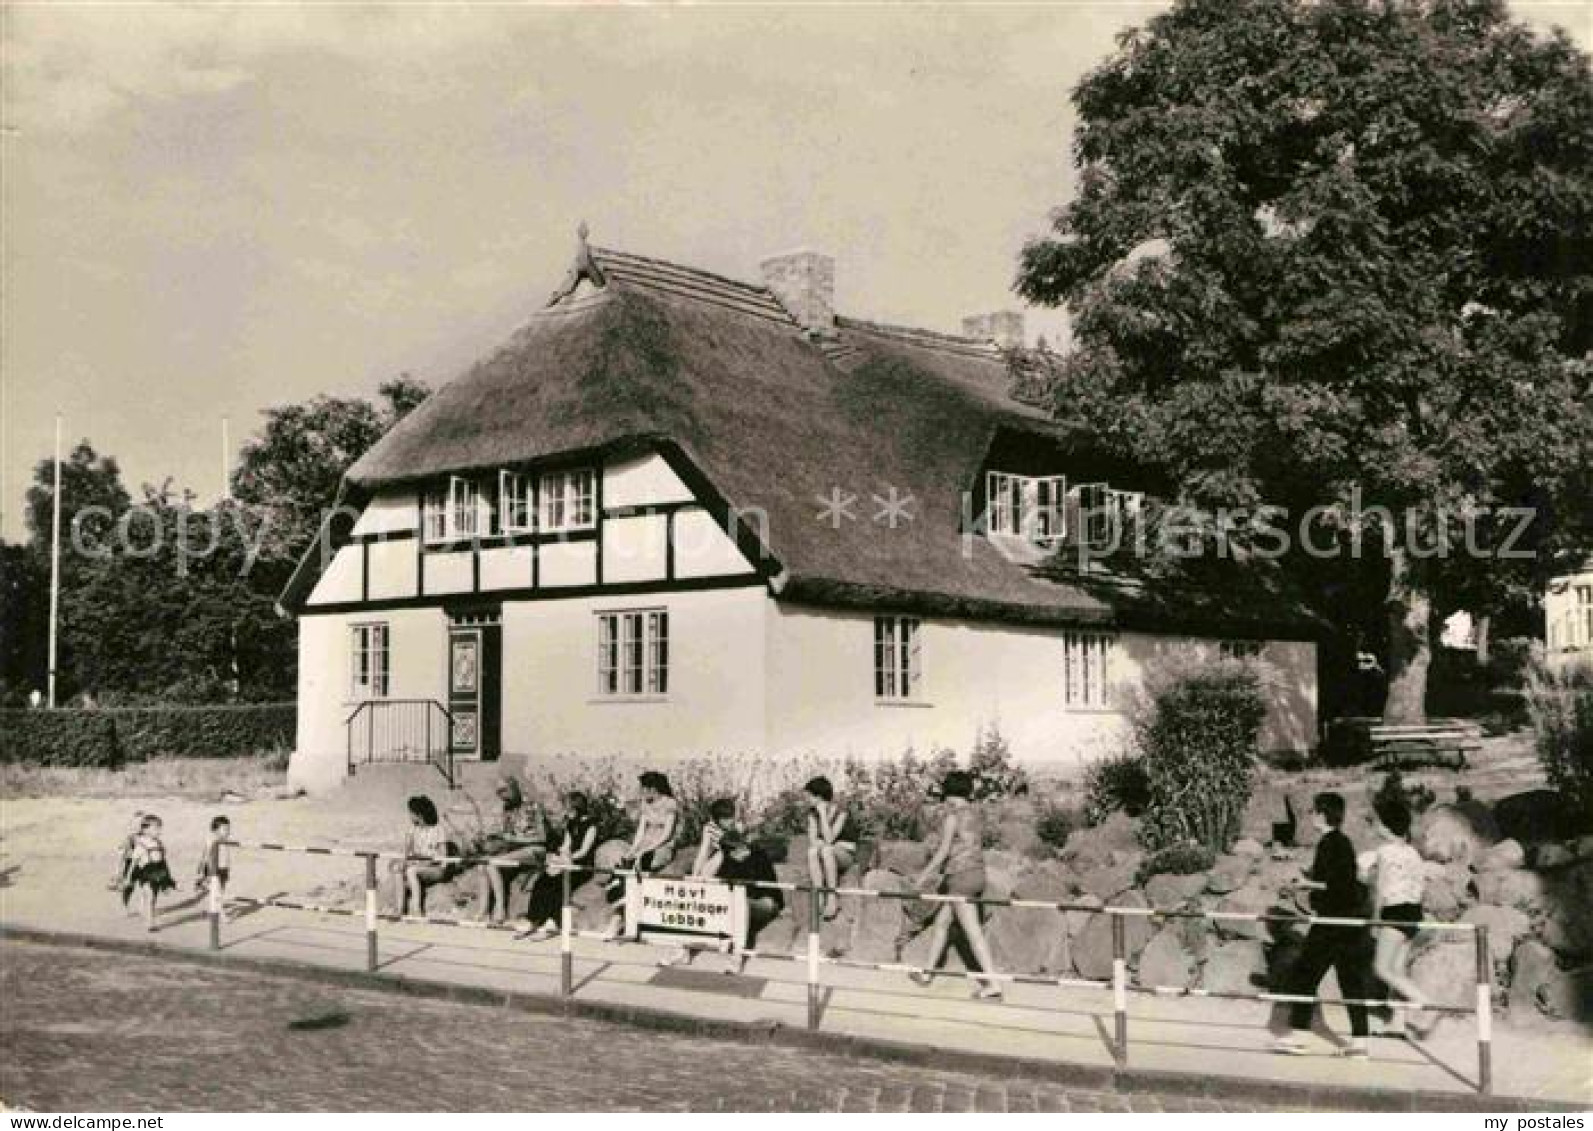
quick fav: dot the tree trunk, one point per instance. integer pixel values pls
(1409, 610)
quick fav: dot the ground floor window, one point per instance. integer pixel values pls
(633, 652)
(898, 658)
(368, 665)
(1084, 663)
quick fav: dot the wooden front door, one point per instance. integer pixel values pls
(473, 689)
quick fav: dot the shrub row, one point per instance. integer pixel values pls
(109, 737)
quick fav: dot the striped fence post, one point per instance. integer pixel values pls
(213, 883)
(1484, 1014)
(813, 956)
(566, 937)
(370, 912)
(1120, 987)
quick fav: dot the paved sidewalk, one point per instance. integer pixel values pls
(1217, 1047)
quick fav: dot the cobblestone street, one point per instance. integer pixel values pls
(88, 1031)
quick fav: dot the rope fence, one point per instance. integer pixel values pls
(814, 959)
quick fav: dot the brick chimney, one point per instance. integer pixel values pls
(804, 282)
(1003, 327)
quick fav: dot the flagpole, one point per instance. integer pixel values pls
(226, 462)
(55, 556)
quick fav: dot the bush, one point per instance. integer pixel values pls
(990, 763)
(1417, 798)
(114, 736)
(1176, 860)
(1115, 783)
(1198, 737)
(1561, 706)
(1053, 825)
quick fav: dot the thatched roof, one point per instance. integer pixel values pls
(776, 420)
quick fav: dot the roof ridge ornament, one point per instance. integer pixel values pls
(584, 267)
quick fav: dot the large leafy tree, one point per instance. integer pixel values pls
(1338, 252)
(290, 470)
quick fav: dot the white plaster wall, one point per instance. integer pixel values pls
(821, 690)
(567, 563)
(417, 652)
(636, 548)
(702, 549)
(340, 581)
(715, 703)
(392, 569)
(449, 573)
(1567, 646)
(389, 511)
(506, 567)
(640, 481)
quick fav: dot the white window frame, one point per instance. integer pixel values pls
(898, 659)
(1026, 506)
(1237, 649)
(516, 503)
(457, 512)
(1086, 669)
(568, 500)
(632, 654)
(370, 661)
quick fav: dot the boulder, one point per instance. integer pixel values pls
(1166, 961)
(609, 854)
(1248, 846)
(1169, 892)
(1512, 887)
(1568, 995)
(591, 906)
(1567, 922)
(1027, 940)
(904, 857)
(1446, 971)
(1547, 856)
(1532, 967)
(1535, 816)
(1505, 926)
(1252, 898)
(1456, 833)
(1446, 890)
(1505, 854)
(1078, 920)
(1093, 847)
(1229, 874)
(1092, 949)
(878, 923)
(1237, 967)
(1105, 882)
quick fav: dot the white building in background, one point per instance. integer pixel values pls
(678, 514)
(1568, 617)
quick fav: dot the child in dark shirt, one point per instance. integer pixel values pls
(1335, 893)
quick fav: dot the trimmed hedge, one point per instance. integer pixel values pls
(113, 736)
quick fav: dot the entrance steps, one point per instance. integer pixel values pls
(386, 787)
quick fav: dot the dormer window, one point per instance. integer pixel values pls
(568, 500)
(456, 512)
(1104, 512)
(1026, 506)
(515, 514)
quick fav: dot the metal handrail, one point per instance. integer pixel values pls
(440, 755)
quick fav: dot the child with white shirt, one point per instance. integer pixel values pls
(1396, 875)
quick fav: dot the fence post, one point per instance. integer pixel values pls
(566, 935)
(370, 911)
(1120, 986)
(1484, 1014)
(813, 956)
(213, 882)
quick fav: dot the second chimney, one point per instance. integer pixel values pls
(804, 282)
(1003, 327)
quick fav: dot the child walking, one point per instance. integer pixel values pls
(122, 878)
(217, 858)
(1395, 874)
(1335, 893)
(151, 875)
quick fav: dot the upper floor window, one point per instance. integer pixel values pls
(1084, 668)
(1104, 511)
(1241, 649)
(898, 658)
(368, 661)
(633, 652)
(514, 502)
(455, 512)
(1026, 506)
(568, 499)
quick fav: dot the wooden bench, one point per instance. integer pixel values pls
(1439, 742)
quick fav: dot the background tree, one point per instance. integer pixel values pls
(1338, 250)
(88, 479)
(290, 471)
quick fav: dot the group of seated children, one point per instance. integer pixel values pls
(143, 873)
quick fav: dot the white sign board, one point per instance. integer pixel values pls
(707, 914)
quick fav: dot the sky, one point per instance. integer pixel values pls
(206, 211)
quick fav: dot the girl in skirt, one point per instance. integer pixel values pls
(122, 878)
(1395, 873)
(151, 874)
